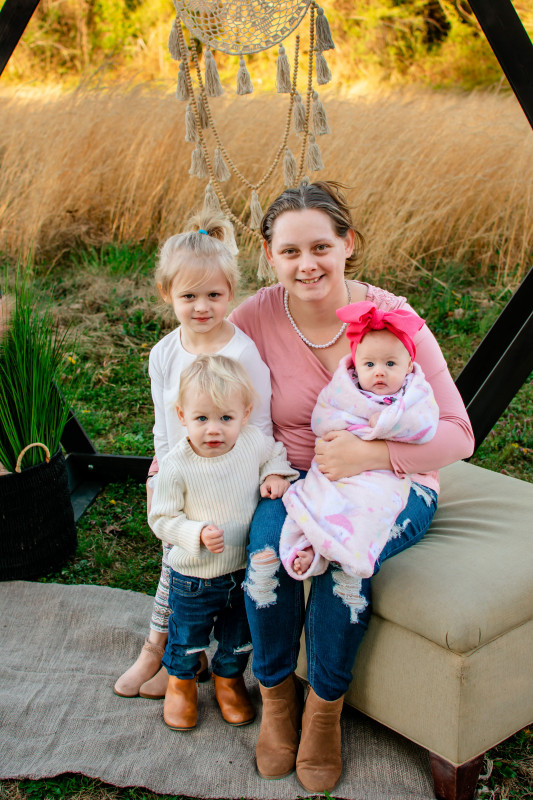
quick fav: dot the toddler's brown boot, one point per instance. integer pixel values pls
(233, 699)
(181, 700)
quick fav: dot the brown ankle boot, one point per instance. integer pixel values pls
(233, 699)
(319, 765)
(277, 744)
(180, 709)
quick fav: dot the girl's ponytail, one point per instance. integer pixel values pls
(217, 226)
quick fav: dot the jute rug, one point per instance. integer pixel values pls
(62, 648)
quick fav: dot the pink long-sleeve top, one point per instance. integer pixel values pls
(297, 378)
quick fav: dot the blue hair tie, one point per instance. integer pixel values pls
(201, 230)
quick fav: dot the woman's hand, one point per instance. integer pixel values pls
(341, 454)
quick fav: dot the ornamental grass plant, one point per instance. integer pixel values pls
(38, 381)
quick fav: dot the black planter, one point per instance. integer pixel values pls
(37, 528)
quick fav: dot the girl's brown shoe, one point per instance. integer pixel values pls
(146, 666)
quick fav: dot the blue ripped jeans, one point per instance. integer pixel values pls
(199, 606)
(338, 609)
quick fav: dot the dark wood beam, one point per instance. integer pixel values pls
(511, 45)
(14, 17)
(501, 364)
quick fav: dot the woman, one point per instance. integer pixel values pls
(309, 242)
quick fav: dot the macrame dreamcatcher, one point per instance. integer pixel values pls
(242, 27)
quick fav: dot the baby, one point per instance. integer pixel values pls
(207, 491)
(378, 392)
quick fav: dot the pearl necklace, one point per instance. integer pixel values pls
(300, 334)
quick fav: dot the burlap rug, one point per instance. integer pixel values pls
(62, 648)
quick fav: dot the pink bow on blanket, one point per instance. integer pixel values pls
(363, 317)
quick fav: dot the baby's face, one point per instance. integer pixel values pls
(382, 363)
(213, 431)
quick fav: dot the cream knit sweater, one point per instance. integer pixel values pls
(193, 491)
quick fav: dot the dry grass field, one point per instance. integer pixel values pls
(430, 175)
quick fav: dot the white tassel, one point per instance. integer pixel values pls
(198, 165)
(244, 82)
(323, 72)
(290, 168)
(202, 113)
(256, 212)
(323, 33)
(320, 122)
(222, 173)
(283, 72)
(182, 93)
(211, 201)
(264, 270)
(314, 159)
(173, 41)
(190, 125)
(299, 114)
(213, 87)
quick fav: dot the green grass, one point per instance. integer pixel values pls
(73, 787)
(108, 296)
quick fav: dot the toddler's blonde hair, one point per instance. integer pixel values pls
(193, 256)
(218, 377)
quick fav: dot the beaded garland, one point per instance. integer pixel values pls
(300, 334)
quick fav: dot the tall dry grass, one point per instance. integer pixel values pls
(430, 175)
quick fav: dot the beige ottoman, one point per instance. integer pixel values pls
(448, 657)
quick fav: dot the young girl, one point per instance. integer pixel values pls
(377, 393)
(197, 275)
(207, 491)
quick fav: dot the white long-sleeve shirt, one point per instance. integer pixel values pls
(168, 359)
(193, 491)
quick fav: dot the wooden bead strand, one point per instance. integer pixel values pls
(309, 92)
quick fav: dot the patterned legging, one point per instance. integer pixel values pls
(161, 611)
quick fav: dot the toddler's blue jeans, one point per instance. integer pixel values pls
(199, 606)
(338, 609)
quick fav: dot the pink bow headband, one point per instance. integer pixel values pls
(364, 317)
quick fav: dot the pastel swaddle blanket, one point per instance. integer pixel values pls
(349, 521)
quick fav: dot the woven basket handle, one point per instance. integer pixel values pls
(23, 452)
